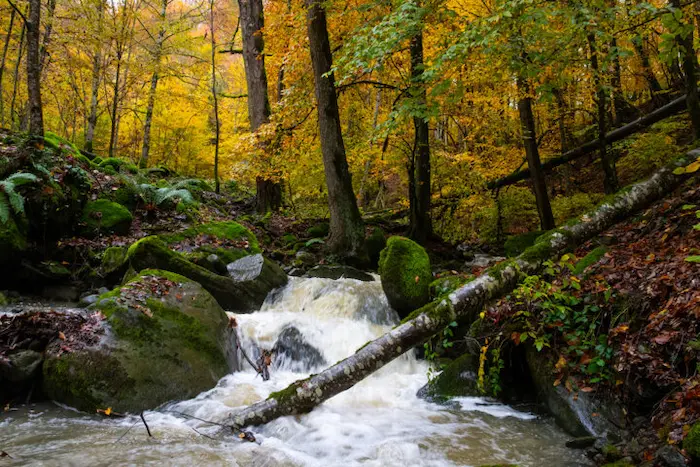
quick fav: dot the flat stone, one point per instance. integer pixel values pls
(246, 268)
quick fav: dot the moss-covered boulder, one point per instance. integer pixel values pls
(242, 292)
(104, 216)
(458, 379)
(113, 261)
(165, 338)
(12, 241)
(405, 271)
(229, 241)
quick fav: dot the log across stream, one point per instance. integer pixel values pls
(379, 422)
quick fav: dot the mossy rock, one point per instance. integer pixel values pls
(166, 339)
(57, 142)
(405, 271)
(691, 443)
(319, 230)
(114, 260)
(516, 244)
(12, 241)
(112, 162)
(375, 243)
(234, 295)
(230, 241)
(104, 216)
(458, 379)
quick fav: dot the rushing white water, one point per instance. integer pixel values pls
(379, 422)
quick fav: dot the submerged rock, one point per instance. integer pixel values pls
(405, 271)
(458, 379)
(292, 350)
(234, 295)
(339, 272)
(165, 338)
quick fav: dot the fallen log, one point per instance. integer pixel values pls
(668, 110)
(463, 305)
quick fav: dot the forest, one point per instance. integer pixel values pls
(485, 212)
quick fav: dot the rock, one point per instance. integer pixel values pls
(669, 456)
(88, 300)
(241, 296)
(691, 443)
(12, 241)
(375, 243)
(22, 366)
(114, 261)
(482, 260)
(304, 257)
(319, 230)
(246, 268)
(106, 217)
(295, 272)
(339, 272)
(458, 379)
(294, 353)
(61, 293)
(582, 442)
(229, 241)
(574, 412)
(165, 338)
(405, 272)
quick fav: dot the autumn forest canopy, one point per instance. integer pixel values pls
(422, 106)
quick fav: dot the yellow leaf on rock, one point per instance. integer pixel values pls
(692, 167)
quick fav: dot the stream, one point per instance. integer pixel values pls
(379, 422)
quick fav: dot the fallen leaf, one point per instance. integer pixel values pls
(61, 335)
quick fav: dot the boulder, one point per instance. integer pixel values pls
(164, 338)
(114, 261)
(234, 295)
(293, 352)
(106, 217)
(339, 272)
(12, 241)
(19, 370)
(458, 379)
(375, 243)
(579, 414)
(229, 241)
(405, 272)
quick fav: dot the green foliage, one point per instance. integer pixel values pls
(691, 443)
(10, 199)
(158, 198)
(652, 149)
(571, 207)
(318, 230)
(518, 243)
(518, 213)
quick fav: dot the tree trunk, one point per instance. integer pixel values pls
(529, 135)
(363, 196)
(606, 160)
(96, 68)
(420, 227)
(649, 76)
(115, 103)
(215, 97)
(464, 306)
(672, 108)
(346, 228)
(15, 81)
(156, 56)
(689, 62)
(624, 111)
(36, 118)
(268, 191)
(2, 65)
(50, 10)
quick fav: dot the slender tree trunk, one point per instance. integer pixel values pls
(115, 103)
(689, 62)
(268, 190)
(624, 111)
(36, 118)
(561, 117)
(420, 227)
(215, 98)
(2, 66)
(607, 162)
(463, 306)
(363, 195)
(50, 10)
(157, 53)
(96, 70)
(15, 81)
(529, 135)
(346, 228)
(649, 76)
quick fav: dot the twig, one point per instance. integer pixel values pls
(242, 435)
(126, 432)
(146, 424)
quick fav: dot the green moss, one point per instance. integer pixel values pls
(113, 259)
(318, 230)
(691, 443)
(447, 284)
(55, 269)
(111, 162)
(519, 243)
(497, 270)
(3, 300)
(232, 231)
(289, 239)
(404, 267)
(106, 216)
(57, 142)
(458, 379)
(590, 259)
(375, 243)
(290, 391)
(12, 240)
(441, 311)
(97, 160)
(620, 463)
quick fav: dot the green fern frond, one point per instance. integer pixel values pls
(164, 194)
(16, 201)
(4, 208)
(22, 178)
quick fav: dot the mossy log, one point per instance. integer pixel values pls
(464, 304)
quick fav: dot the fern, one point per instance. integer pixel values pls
(155, 197)
(9, 198)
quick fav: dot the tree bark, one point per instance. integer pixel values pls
(96, 69)
(268, 191)
(539, 186)
(672, 108)
(624, 111)
(463, 305)
(36, 118)
(115, 104)
(15, 81)
(2, 65)
(689, 63)
(346, 228)
(610, 175)
(50, 10)
(420, 227)
(217, 126)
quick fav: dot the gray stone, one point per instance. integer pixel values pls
(246, 268)
(88, 300)
(668, 456)
(582, 442)
(21, 366)
(293, 352)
